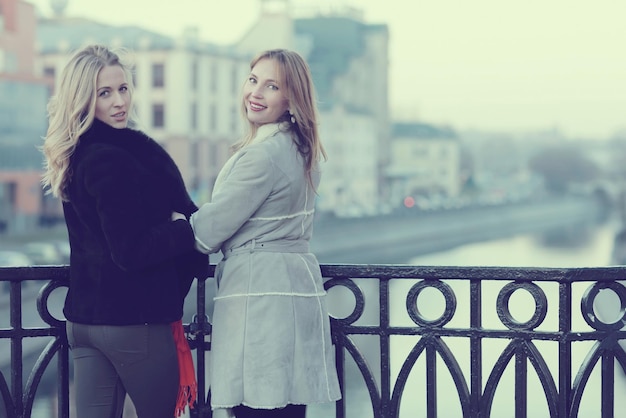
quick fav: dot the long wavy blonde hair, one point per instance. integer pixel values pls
(71, 112)
(298, 88)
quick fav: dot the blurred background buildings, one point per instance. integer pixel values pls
(187, 98)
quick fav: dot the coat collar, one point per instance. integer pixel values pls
(269, 130)
(102, 132)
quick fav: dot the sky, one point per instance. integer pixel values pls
(495, 65)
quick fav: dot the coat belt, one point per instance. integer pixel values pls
(270, 246)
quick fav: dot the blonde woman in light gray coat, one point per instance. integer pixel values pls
(271, 347)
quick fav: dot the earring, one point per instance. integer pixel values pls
(293, 119)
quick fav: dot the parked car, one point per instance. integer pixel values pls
(42, 253)
(63, 250)
(9, 258)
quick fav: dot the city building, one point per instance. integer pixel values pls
(349, 63)
(350, 186)
(425, 163)
(23, 98)
(187, 91)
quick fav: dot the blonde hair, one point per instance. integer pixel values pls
(298, 88)
(71, 112)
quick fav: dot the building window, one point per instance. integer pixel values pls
(420, 152)
(158, 75)
(213, 77)
(233, 119)
(195, 154)
(49, 72)
(213, 154)
(213, 118)
(194, 75)
(194, 116)
(1, 19)
(158, 115)
(8, 62)
(234, 80)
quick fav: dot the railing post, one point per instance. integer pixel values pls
(199, 328)
(476, 366)
(63, 381)
(385, 359)
(565, 349)
(17, 369)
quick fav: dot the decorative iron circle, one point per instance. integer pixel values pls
(42, 303)
(502, 306)
(359, 299)
(414, 312)
(587, 302)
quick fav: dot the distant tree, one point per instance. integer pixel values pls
(563, 165)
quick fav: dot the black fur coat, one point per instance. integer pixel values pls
(130, 264)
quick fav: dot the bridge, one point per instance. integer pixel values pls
(471, 354)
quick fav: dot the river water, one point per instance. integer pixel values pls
(566, 248)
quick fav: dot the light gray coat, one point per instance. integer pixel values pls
(271, 341)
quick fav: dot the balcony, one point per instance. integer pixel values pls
(411, 341)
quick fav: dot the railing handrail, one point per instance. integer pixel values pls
(430, 340)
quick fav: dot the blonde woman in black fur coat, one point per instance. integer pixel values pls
(132, 248)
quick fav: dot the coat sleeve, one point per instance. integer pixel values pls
(172, 177)
(240, 194)
(111, 178)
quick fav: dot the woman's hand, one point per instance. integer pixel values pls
(176, 216)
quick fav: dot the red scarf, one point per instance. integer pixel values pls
(188, 390)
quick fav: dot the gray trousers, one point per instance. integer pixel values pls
(111, 361)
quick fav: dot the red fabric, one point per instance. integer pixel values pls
(188, 390)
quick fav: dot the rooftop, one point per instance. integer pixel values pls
(67, 34)
(421, 130)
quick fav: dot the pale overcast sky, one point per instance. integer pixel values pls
(505, 65)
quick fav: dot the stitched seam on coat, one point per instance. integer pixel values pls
(241, 295)
(245, 335)
(323, 339)
(278, 218)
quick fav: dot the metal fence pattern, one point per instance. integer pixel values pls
(558, 352)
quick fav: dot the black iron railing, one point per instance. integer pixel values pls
(410, 341)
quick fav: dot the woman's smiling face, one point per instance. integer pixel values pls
(263, 95)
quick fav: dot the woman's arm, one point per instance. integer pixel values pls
(239, 195)
(113, 180)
